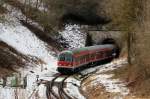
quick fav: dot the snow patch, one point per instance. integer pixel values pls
(111, 85)
(10, 93)
(72, 88)
(16, 13)
(113, 65)
(42, 91)
(73, 36)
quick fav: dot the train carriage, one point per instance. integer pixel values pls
(75, 60)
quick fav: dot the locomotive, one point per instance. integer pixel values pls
(75, 60)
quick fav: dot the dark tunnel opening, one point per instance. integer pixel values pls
(109, 41)
(112, 41)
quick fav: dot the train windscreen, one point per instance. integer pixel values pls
(61, 57)
(65, 57)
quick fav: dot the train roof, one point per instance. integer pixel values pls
(78, 50)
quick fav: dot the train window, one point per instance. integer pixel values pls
(65, 57)
(80, 60)
(83, 59)
(87, 58)
(76, 60)
(108, 53)
(68, 57)
(61, 57)
(104, 54)
(98, 55)
(92, 56)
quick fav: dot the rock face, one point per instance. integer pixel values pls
(141, 37)
(100, 36)
(80, 12)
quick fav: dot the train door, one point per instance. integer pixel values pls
(87, 58)
(76, 61)
(98, 55)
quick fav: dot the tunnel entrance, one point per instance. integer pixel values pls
(112, 41)
(109, 41)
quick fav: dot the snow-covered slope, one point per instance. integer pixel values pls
(24, 41)
(105, 79)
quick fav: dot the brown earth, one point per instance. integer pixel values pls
(95, 92)
(123, 73)
(136, 82)
(98, 91)
(2, 10)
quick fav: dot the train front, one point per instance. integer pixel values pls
(65, 62)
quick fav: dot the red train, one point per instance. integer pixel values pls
(75, 60)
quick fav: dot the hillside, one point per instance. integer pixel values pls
(33, 32)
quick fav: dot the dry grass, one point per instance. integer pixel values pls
(95, 91)
(135, 81)
(2, 10)
(5, 72)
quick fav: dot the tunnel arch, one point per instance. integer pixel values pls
(112, 41)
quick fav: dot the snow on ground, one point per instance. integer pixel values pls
(72, 88)
(74, 36)
(9, 93)
(106, 67)
(15, 12)
(113, 65)
(24, 41)
(111, 85)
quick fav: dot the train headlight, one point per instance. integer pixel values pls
(114, 54)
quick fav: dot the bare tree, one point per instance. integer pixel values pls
(37, 3)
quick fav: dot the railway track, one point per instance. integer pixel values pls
(61, 94)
